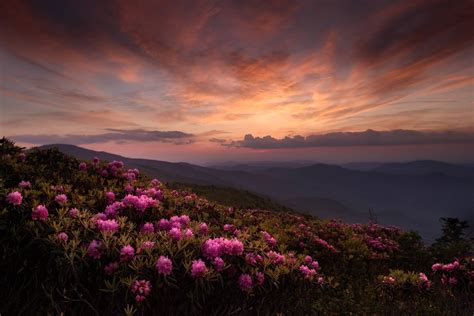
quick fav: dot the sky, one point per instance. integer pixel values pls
(211, 81)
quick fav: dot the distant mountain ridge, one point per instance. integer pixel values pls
(409, 195)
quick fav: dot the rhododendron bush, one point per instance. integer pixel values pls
(99, 238)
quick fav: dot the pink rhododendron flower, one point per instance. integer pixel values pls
(22, 157)
(40, 213)
(141, 289)
(452, 281)
(111, 268)
(184, 220)
(109, 225)
(164, 265)
(436, 267)
(147, 245)
(188, 233)
(229, 227)
(63, 236)
(216, 247)
(164, 224)
(175, 233)
(308, 259)
(203, 229)
(245, 282)
(61, 198)
(24, 184)
(389, 280)
(98, 216)
(110, 197)
(147, 228)
(260, 277)
(93, 250)
(74, 212)
(276, 257)
(271, 241)
(198, 269)
(82, 166)
(140, 203)
(14, 198)
(218, 263)
(315, 265)
(126, 253)
(96, 160)
(423, 277)
(155, 182)
(307, 272)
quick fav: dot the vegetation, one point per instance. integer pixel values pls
(231, 196)
(97, 238)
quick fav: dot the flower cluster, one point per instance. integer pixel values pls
(141, 289)
(217, 247)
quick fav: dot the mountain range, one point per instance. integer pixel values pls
(411, 195)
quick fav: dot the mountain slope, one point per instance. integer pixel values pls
(412, 201)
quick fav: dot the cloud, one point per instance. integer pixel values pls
(272, 65)
(366, 138)
(116, 135)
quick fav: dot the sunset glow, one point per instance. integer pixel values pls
(188, 81)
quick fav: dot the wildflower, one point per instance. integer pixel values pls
(126, 253)
(216, 247)
(62, 236)
(109, 225)
(436, 267)
(93, 250)
(245, 282)
(74, 212)
(307, 272)
(451, 266)
(198, 269)
(40, 213)
(82, 166)
(276, 257)
(164, 265)
(203, 229)
(260, 277)
(147, 245)
(164, 224)
(24, 184)
(452, 281)
(389, 280)
(184, 220)
(271, 241)
(251, 259)
(175, 233)
(110, 197)
(218, 263)
(147, 228)
(188, 233)
(14, 198)
(111, 268)
(229, 227)
(423, 277)
(61, 198)
(141, 289)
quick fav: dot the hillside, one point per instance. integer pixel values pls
(98, 237)
(330, 191)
